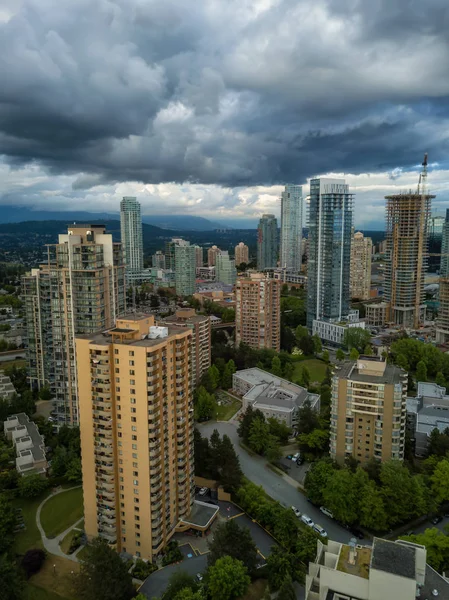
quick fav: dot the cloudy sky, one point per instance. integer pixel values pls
(208, 107)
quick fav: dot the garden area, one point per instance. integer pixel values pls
(62, 511)
(316, 368)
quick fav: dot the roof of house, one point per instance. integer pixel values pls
(393, 558)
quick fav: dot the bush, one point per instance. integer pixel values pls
(143, 569)
(76, 542)
(31, 486)
(32, 561)
(172, 554)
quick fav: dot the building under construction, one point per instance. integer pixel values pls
(407, 222)
(442, 323)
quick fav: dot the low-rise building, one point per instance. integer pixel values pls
(376, 314)
(7, 390)
(205, 273)
(29, 444)
(427, 411)
(386, 571)
(333, 332)
(286, 276)
(273, 396)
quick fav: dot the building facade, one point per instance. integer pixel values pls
(360, 275)
(131, 235)
(328, 267)
(267, 242)
(334, 333)
(258, 312)
(291, 228)
(158, 260)
(368, 412)
(436, 226)
(376, 314)
(426, 411)
(185, 268)
(241, 254)
(198, 257)
(212, 256)
(407, 218)
(170, 259)
(225, 270)
(442, 322)
(136, 423)
(80, 289)
(28, 443)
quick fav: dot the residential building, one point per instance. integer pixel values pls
(436, 225)
(158, 260)
(170, 253)
(290, 277)
(7, 390)
(333, 332)
(198, 257)
(368, 411)
(407, 217)
(223, 298)
(136, 424)
(28, 443)
(328, 267)
(225, 270)
(386, 570)
(376, 314)
(360, 274)
(185, 268)
(79, 289)
(207, 273)
(273, 396)
(258, 312)
(267, 242)
(241, 254)
(426, 411)
(131, 235)
(291, 228)
(212, 256)
(200, 347)
(442, 322)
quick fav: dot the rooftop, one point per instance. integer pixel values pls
(201, 515)
(358, 565)
(31, 431)
(349, 370)
(393, 558)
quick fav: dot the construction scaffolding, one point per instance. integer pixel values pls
(442, 322)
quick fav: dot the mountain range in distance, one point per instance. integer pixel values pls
(19, 214)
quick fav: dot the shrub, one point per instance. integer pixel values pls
(172, 554)
(32, 561)
(143, 569)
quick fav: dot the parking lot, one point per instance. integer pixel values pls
(296, 472)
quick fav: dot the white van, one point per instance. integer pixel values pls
(307, 520)
(319, 530)
(326, 512)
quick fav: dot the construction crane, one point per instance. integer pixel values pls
(422, 192)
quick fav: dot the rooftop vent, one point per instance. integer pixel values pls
(157, 333)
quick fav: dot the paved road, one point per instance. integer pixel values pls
(428, 525)
(157, 583)
(254, 467)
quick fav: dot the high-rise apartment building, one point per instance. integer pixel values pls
(199, 257)
(258, 312)
(225, 270)
(267, 242)
(442, 322)
(330, 231)
(131, 234)
(79, 289)
(241, 254)
(185, 268)
(361, 251)
(368, 412)
(291, 228)
(436, 225)
(407, 218)
(170, 253)
(200, 348)
(136, 423)
(212, 256)
(158, 260)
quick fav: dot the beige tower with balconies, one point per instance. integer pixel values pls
(360, 275)
(212, 256)
(136, 421)
(258, 312)
(241, 254)
(368, 411)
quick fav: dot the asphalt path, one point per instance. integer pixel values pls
(256, 470)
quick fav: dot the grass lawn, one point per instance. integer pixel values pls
(30, 537)
(317, 369)
(32, 592)
(227, 411)
(19, 363)
(81, 554)
(256, 590)
(61, 511)
(65, 544)
(55, 580)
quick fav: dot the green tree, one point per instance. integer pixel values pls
(421, 371)
(301, 332)
(287, 591)
(440, 481)
(74, 471)
(231, 540)
(273, 451)
(228, 372)
(440, 379)
(276, 367)
(103, 575)
(307, 418)
(372, 514)
(317, 343)
(45, 394)
(305, 377)
(179, 581)
(279, 429)
(438, 442)
(7, 523)
(205, 404)
(258, 435)
(356, 337)
(228, 579)
(341, 496)
(229, 471)
(32, 486)
(289, 369)
(11, 579)
(186, 594)
(354, 354)
(368, 350)
(325, 356)
(397, 491)
(215, 376)
(402, 362)
(279, 567)
(317, 478)
(340, 355)
(437, 546)
(316, 442)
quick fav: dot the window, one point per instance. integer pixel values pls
(117, 380)
(137, 526)
(137, 543)
(132, 391)
(137, 535)
(136, 491)
(122, 488)
(132, 382)
(133, 400)
(135, 465)
(136, 500)
(131, 363)
(135, 456)
(134, 446)
(135, 482)
(117, 362)
(131, 352)
(115, 351)
(134, 437)
(136, 473)
(117, 370)
(131, 371)
(133, 410)
(137, 518)
(134, 428)
(133, 419)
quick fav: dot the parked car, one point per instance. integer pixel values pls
(436, 519)
(296, 456)
(199, 577)
(320, 530)
(307, 520)
(296, 511)
(299, 460)
(203, 491)
(326, 512)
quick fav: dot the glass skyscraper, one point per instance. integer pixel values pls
(291, 228)
(328, 271)
(267, 242)
(131, 234)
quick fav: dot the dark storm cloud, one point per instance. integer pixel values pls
(236, 93)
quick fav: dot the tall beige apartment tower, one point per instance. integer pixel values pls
(79, 289)
(212, 256)
(136, 421)
(257, 312)
(241, 254)
(368, 413)
(360, 275)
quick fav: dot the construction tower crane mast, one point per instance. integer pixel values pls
(422, 243)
